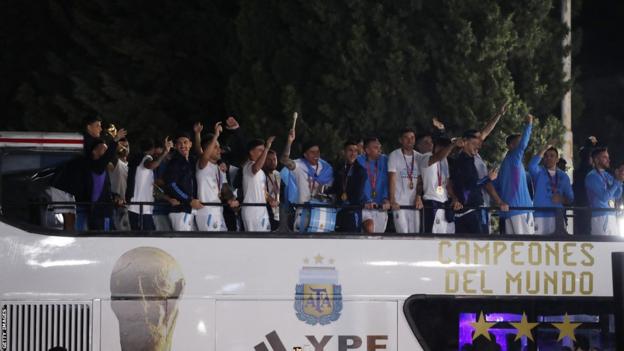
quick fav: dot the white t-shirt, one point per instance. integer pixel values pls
(254, 185)
(209, 182)
(143, 187)
(403, 165)
(433, 176)
(304, 183)
(119, 178)
(482, 171)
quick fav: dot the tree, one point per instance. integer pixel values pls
(361, 67)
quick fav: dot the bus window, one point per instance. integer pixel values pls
(451, 323)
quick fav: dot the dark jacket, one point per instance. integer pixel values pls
(179, 180)
(466, 182)
(354, 177)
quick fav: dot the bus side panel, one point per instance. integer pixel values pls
(244, 325)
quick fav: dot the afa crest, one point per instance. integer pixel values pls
(318, 296)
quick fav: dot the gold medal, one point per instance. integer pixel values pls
(411, 184)
(612, 203)
(343, 197)
(374, 194)
(440, 190)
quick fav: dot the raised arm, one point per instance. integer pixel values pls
(526, 134)
(197, 129)
(444, 152)
(285, 158)
(491, 124)
(153, 164)
(205, 156)
(257, 166)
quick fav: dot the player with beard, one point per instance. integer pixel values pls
(312, 174)
(210, 180)
(273, 181)
(348, 185)
(552, 189)
(180, 183)
(603, 191)
(256, 218)
(375, 191)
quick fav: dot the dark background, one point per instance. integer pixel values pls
(350, 68)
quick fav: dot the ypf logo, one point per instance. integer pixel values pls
(318, 296)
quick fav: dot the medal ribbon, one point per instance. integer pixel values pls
(312, 180)
(372, 178)
(553, 185)
(410, 170)
(274, 186)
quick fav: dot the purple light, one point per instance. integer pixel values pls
(466, 330)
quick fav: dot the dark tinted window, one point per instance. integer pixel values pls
(448, 323)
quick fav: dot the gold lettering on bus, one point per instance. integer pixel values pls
(550, 281)
(589, 258)
(552, 254)
(567, 253)
(499, 248)
(535, 254)
(568, 283)
(441, 257)
(515, 252)
(451, 281)
(482, 250)
(586, 283)
(509, 279)
(462, 252)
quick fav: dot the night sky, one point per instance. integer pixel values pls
(600, 62)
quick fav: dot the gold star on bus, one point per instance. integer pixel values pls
(566, 328)
(524, 328)
(318, 259)
(481, 327)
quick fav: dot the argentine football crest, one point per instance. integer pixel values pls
(318, 296)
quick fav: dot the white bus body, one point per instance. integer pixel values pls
(227, 292)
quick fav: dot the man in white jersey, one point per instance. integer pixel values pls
(403, 175)
(256, 218)
(210, 180)
(434, 171)
(143, 186)
(312, 174)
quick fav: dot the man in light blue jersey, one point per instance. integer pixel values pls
(552, 189)
(603, 190)
(512, 186)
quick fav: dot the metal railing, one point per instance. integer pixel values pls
(566, 211)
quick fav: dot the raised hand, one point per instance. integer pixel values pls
(198, 127)
(437, 123)
(218, 128)
(270, 141)
(493, 174)
(530, 118)
(168, 144)
(121, 133)
(231, 123)
(291, 136)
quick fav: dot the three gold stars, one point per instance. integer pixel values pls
(524, 328)
(481, 327)
(566, 328)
